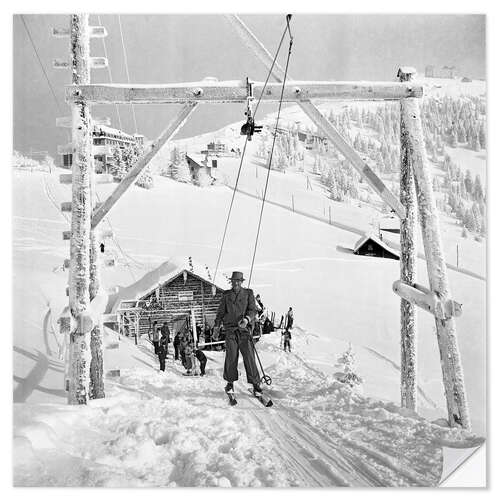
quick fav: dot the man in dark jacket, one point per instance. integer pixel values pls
(163, 351)
(236, 314)
(177, 343)
(165, 332)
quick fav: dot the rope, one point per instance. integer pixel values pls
(109, 73)
(270, 71)
(244, 149)
(41, 64)
(43, 69)
(230, 208)
(126, 69)
(271, 157)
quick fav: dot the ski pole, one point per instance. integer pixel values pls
(265, 378)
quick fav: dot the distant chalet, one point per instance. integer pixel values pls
(373, 246)
(168, 293)
(201, 164)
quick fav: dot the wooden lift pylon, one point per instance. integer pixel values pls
(415, 171)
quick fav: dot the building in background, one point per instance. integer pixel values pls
(444, 72)
(105, 141)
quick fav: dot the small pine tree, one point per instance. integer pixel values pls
(346, 362)
(119, 167)
(146, 179)
(180, 170)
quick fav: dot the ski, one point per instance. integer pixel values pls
(232, 399)
(267, 402)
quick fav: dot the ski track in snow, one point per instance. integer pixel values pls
(318, 433)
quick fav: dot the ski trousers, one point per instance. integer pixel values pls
(240, 340)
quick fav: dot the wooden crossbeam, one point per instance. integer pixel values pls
(321, 122)
(94, 32)
(142, 163)
(427, 300)
(235, 91)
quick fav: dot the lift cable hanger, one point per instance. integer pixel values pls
(249, 128)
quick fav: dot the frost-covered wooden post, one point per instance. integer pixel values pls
(451, 364)
(81, 212)
(96, 343)
(407, 263)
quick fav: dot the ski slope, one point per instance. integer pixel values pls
(319, 433)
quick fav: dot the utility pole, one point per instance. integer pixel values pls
(81, 212)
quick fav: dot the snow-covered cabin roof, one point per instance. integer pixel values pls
(198, 158)
(376, 239)
(165, 273)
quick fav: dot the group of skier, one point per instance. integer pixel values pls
(193, 359)
(239, 316)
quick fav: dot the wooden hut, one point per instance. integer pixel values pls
(201, 166)
(173, 293)
(373, 246)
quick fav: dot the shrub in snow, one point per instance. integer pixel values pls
(165, 169)
(202, 178)
(146, 179)
(347, 364)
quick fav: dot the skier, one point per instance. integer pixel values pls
(236, 314)
(191, 355)
(177, 343)
(287, 336)
(289, 319)
(162, 351)
(156, 337)
(184, 341)
(166, 332)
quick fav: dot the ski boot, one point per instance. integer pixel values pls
(257, 390)
(229, 389)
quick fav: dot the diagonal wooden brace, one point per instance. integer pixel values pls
(319, 120)
(142, 163)
(353, 157)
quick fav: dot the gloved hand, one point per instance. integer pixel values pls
(243, 323)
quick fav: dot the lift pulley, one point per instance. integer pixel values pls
(249, 127)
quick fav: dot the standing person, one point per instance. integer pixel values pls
(287, 336)
(289, 319)
(165, 331)
(162, 351)
(236, 314)
(190, 364)
(184, 341)
(260, 305)
(156, 337)
(177, 343)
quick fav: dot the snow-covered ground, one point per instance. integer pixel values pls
(319, 432)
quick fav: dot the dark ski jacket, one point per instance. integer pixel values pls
(163, 347)
(234, 307)
(166, 332)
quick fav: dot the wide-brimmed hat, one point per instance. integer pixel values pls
(237, 275)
